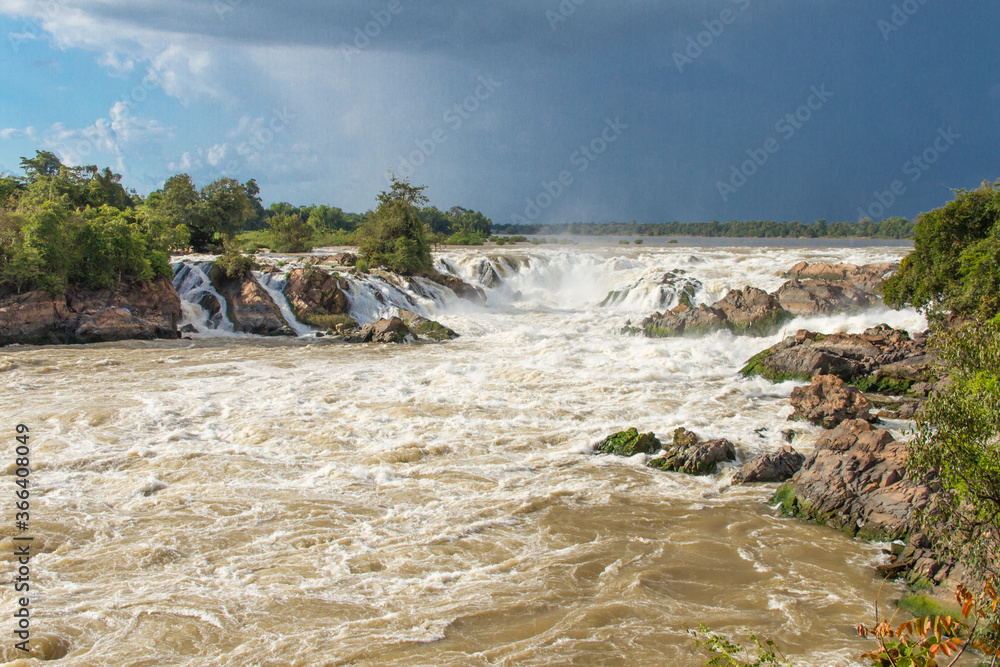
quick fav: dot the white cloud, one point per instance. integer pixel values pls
(218, 153)
(186, 163)
(109, 138)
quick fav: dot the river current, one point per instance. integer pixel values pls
(234, 500)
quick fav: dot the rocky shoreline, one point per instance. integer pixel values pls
(316, 295)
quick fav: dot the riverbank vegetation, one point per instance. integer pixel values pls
(890, 228)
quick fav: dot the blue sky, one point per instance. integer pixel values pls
(540, 110)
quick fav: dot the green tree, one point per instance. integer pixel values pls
(947, 270)
(958, 445)
(393, 235)
(224, 209)
(290, 233)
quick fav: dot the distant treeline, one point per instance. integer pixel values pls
(890, 228)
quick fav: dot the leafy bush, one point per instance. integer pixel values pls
(393, 236)
(958, 444)
(233, 265)
(955, 260)
(290, 233)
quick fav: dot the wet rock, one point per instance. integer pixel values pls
(131, 311)
(822, 297)
(880, 360)
(774, 467)
(392, 330)
(250, 307)
(827, 401)
(856, 480)
(488, 276)
(343, 259)
(461, 288)
(315, 295)
(689, 454)
(629, 443)
(426, 328)
(752, 311)
(868, 277)
(684, 320)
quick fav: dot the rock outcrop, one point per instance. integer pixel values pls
(314, 295)
(822, 297)
(391, 330)
(250, 307)
(425, 328)
(816, 289)
(690, 454)
(752, 311)
(828, 401)
(882, 360)
(684, 320)
(774, 467)
(131, 311)
(868, 277)
(856, 480)
(462, 289)
(629, 443)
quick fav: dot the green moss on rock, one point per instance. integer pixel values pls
(630, 443)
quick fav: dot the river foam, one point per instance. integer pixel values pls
(245, 501)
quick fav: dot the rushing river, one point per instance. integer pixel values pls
(233, 500)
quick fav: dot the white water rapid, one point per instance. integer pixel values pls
(237, 500)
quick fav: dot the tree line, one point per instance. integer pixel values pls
(890, 228)
(62, 225)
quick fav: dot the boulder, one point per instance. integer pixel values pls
(856, 480)
(752, 311)
(391, 330)
(461, 288)
(868, 277)
(314, 295)
(822, 297)
(684, 320)
(774, 467)
(827, 401)
(689, 454)
(426, 328)
(629, 443)
(81, 315)
(250, 307)
(880, 360)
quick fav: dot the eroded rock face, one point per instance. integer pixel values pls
(684, 320)
(689, 454)
(827, 401)
(774, 467)
(461, 288)
(131, 311)
(752, 311)
(856, 480)
(250, 307)
(314, 293)
(822, 297)
(882, 359)
(868, 277)
(391, 330)
(425, 328)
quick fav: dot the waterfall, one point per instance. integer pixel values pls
(274, 285)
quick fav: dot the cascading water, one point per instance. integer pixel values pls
(204, 308)
(258, 502)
